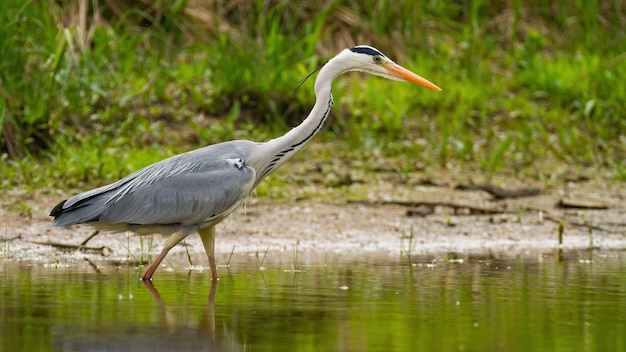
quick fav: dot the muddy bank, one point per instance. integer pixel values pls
(381, 221)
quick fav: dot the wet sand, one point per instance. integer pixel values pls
(334, 229)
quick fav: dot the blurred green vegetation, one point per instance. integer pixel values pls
(93, 90)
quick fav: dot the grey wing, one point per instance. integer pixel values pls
(185, 199)
(186, 189)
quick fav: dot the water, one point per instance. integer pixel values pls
(392, 304)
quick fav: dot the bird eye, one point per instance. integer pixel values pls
(378, 60)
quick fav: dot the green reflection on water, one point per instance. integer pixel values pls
(392, 305)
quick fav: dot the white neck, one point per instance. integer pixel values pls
(272, 154)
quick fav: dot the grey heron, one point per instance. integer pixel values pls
(194, 191)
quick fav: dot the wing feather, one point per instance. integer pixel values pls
(182, 199)
(185, 189)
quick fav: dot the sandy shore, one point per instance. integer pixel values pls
(337, 229)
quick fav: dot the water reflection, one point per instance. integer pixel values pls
(142, 340)
(443, 303)
(207, 323)
(170, 333)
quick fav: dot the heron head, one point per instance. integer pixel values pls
(368, 59)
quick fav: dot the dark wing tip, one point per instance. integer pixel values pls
(58, 209)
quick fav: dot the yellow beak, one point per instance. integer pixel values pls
(406, 75)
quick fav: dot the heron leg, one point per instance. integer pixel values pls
(171, 242)
(208, 240)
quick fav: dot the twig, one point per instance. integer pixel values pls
(474, 209)
(502, 193)
(9, 239)
(581, 204)
(89, 238)
(81, 248)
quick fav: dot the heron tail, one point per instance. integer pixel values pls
(78, 213)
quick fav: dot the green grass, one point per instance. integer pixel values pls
(523, 83)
